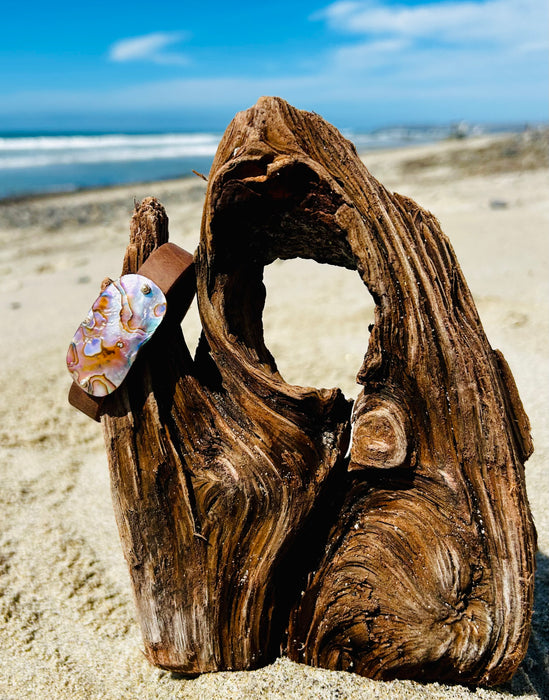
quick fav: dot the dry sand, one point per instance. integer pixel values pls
(67, 625)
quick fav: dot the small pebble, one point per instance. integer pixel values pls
(498, 204)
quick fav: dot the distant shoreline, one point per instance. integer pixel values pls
(119, 187)
(45, 165)
(534, 143)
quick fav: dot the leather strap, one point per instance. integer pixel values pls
(172, 269)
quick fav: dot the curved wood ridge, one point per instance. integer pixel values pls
(230, 487)
(215, 466)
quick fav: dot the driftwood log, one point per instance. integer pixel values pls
(246, 529)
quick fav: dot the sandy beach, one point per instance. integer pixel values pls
(67, 622)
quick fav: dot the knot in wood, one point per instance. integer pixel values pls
(380, 434)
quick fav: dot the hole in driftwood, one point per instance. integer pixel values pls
(192, 328)
(315, 321)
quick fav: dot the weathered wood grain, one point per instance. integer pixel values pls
(231, 491)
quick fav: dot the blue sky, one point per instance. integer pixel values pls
(361, 64)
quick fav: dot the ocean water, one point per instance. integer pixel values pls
(41, 163)
(44, 163)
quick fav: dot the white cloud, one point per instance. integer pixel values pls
(504, 22)
(466, 51)
(149, 48)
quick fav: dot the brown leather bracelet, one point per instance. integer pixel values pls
(171, 270)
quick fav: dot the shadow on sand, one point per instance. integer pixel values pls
(533, 673)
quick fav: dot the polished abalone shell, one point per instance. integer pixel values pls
(123, 317)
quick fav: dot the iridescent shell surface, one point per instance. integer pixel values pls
(122, 318)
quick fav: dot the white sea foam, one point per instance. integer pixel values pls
(46, 150)
(399, 136)
(48, 162)
(41, 151)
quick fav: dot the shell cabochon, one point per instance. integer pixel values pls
(123, 317)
